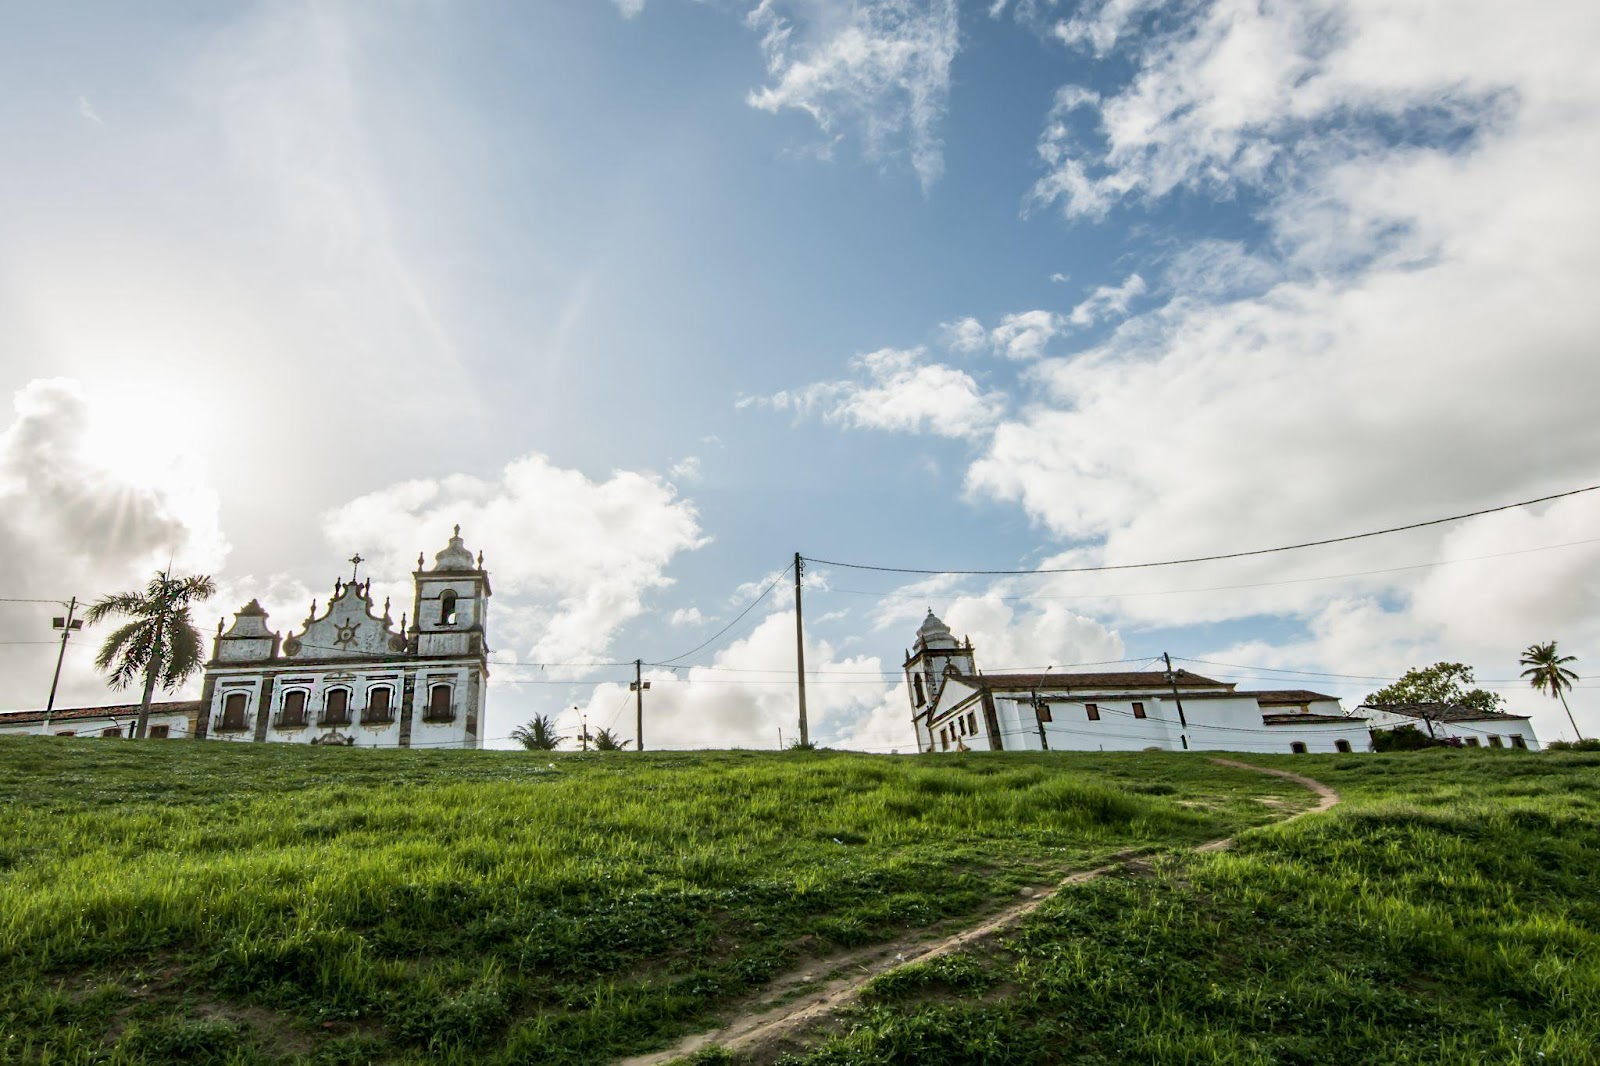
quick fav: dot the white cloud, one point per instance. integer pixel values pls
(965, 335)
(685, 469)
(1024, 335)
(630, 8)
(687, 616)
(86, 109)
(897, 392)
(882, 69)
(746, 693)
(93, 500)
(1106, 301)
(572, 559)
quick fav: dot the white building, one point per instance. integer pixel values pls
(168, 720)
(350, 676)
(1453, 722)
(956, 708)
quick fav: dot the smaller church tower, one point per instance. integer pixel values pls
(936, 649)
(452, 603)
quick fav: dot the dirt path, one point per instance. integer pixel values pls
(796, 1000)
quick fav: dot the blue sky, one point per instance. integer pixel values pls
(650, 296)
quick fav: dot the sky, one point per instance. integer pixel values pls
(649, 295)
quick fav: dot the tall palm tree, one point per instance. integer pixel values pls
(539, 734)
(161, 642)
(1548, 673)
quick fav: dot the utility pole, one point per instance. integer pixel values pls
(800, 651)
(1044, 742)
(1172, 678)
(68, 626)
(638, 687)
(583, 726)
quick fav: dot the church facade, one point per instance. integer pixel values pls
(351, 676)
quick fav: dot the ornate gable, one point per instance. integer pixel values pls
(347, 630)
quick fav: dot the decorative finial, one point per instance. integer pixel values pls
(458, 529)
(480, 558)
(313, 608)
(402, 621)
(219, 627)
(355, 564)
(336, 588)
(419, 561)
(386, 607)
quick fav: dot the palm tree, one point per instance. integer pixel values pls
(1547, 672)
(539, 734)
(606, 740)
(160, 643)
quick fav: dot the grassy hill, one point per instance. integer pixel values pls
(166, 902)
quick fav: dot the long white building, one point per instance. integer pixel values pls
(957, 708)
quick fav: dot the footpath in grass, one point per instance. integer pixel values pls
(1447, 911)
(208, 902)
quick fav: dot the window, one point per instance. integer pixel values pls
(294, 709)
(1518, 742)
(234, 705)
(1043, 710)
(336, 707)
(1298, 747)
(1138, 710)
(111, 731)
(439, 709)
(916, 686)
(447, 608)
(1494, 742)
(377, 705)
(972, 723)
(944, 739)
(1094, 711)
(1472, 742)
(1342, 745)
(158, 732)
(66, 732)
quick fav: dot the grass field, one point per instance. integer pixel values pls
(1447, 912)
(169, 902)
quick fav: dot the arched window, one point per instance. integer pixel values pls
(378, 705)
(1298, 747)
(916, 683)
(447, 608)
(233, 708)
(336, 708)
(294, 709)
(439, 709)
(1342, 745)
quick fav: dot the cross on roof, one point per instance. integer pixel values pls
(355, 564)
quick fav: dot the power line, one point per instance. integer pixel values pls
(752, 606)
(1225, 588)
(1220, 556)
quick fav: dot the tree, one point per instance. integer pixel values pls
(606, 740)
(539, 734)
(1548, 673)
(160, 643)
(1442, 683)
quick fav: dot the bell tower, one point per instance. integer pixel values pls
(936, 649)
(452, 603)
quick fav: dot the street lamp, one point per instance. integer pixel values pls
(68, 626)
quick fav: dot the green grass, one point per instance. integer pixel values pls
(171, 902)
(1447, 912)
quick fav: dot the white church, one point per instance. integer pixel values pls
(956, 708)
(350, 676)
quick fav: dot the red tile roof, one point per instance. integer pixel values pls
(1101, 682)
(118, 710)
